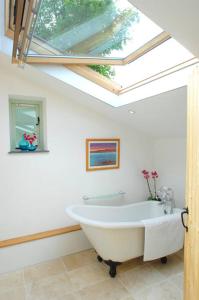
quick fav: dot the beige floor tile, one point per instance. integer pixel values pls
(52, 287)
(69, 297)
(81, 259)
(173, 266)
(88, 275)
(18, 293)
(129, 265)
(57, 297)
(140, 277)
(163, 291)
(11, 281)
(81, 277)
(43, 270)
(180, 254)
(178, 280)
(110, 289)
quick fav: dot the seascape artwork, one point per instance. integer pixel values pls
(102, 154)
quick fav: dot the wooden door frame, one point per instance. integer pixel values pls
(191, 253)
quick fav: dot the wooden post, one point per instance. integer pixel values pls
(191, 281)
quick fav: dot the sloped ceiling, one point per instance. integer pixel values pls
(160, 116)
(178, 17)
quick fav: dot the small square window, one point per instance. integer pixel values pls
(26, 124)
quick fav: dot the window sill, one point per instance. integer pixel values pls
(26, 151)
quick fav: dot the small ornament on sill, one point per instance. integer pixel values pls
(23, 143)
(28, 142)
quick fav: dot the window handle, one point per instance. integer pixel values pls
(38, 121)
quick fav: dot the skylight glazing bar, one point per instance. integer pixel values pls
(60, 59)
(155, 42)
(25, 11)
(95, 77)
(162, 74)
(18, 26)
(12, 14)
(26, 30)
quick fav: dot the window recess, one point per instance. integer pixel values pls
(26, 118)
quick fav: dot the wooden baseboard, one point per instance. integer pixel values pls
(38, 236)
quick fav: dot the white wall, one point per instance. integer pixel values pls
(170, 161)
(36, 188)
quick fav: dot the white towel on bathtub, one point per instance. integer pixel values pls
(163, 236)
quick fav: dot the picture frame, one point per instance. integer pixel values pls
(102, 154)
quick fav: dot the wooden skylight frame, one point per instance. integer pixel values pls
(45, 59)
(80, 65)
(26, 10)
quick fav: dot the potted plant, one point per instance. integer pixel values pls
(151, 176)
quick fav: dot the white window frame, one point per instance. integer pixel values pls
(40, 102)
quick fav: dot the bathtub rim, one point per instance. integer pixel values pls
(114, 225)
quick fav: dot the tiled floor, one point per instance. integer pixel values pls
(81, 277)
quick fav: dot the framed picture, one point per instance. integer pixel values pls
(102, 154)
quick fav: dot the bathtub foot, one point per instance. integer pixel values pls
(163, 260)
(113, 266)
(99, 258)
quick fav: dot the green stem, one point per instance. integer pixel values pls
(155, 187)
(149, 188)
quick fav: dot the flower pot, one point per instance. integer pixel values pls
(23, 144)
(32, 147)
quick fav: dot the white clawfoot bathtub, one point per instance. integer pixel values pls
(117, 233)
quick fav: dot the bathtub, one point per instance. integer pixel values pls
(116, 233)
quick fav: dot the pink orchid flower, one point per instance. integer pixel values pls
(154, 174)
(146, 174)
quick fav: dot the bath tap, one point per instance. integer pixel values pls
(163, 202)
(167, 199)
(169, 203)
(172, 204)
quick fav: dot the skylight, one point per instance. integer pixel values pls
(84, 32)
(162, 58)
(111, 28)
(109, 42)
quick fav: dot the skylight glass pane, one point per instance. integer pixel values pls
(91, 28)
(167, 55)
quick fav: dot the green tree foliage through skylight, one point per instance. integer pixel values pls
(105, 70)
(62, 24)
(58, 16)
